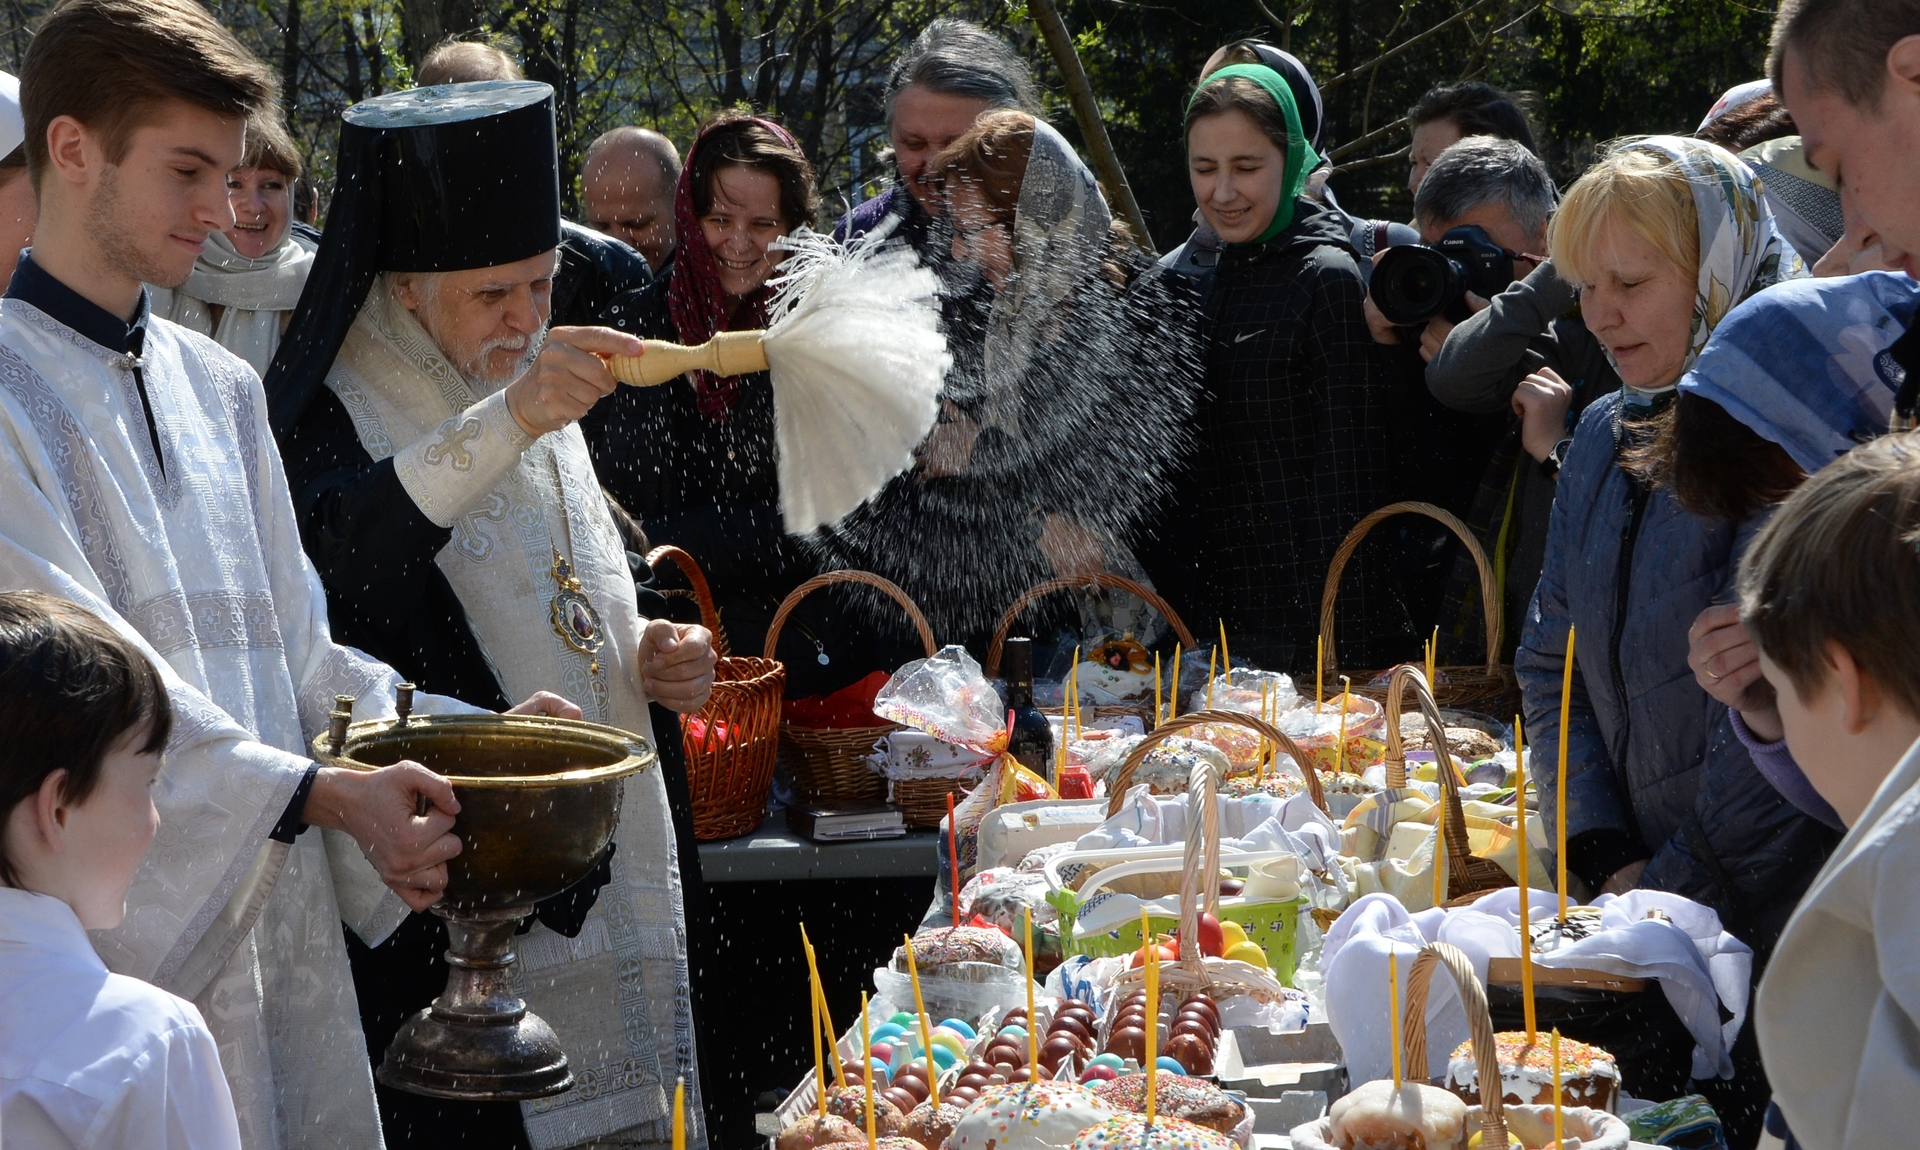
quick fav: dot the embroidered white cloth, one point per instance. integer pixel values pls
(1699, 966)
(255, 297)
(194, 554)
(91, 1058)
(618, 995)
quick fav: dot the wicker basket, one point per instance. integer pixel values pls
(1142, 710)
(924, 801)
(1117, 789)
(830, 763)
(1473, 996)
(1468, 876)
(728, 781)
(1199, 882)
(1491, 689)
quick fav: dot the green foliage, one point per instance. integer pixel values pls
(1599, 69)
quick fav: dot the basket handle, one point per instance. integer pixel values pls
(702, 594)
(1489, 585)
(1202, 857)
(1117, 789)
(1409, 676)
(1033, 595)
(867, 578)
(1473, 996)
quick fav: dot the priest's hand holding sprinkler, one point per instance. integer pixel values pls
(857, 359)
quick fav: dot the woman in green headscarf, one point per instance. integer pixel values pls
(1292, 427)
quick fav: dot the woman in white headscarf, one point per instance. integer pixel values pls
(1664, 237)
(1074, 371)
(245, 285)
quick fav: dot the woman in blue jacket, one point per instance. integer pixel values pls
(1664, 236)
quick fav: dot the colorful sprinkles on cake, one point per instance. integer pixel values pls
(1134, 1132)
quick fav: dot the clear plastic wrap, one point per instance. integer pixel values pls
(947, 696)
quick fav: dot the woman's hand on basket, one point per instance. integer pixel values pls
(676, 664)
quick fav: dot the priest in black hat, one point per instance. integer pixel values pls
(426, 413)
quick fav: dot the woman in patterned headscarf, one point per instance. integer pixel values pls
(1664, 236)
(696, 464)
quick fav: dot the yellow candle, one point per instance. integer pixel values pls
(926, 1030)
(1393, 1013)
(1433, 651)
(1340, 748)
(1560, 785)
(866, 1067)
(1526, 901)
(819, 1055)
(1211, 657)
(1319, 669)
(1153, 1017)
(680, 1114)
(1033, 1020)
(1559, 1131)
(1173, 700)
(826, 1016)
(1073, 696)
(1266, 704)
(1156, 688)
(1226, 657)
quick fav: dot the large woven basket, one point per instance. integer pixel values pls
(1468, 876)
(1473, 996)
(1199, 877)
(1491, 689)
(924, 801)
(830, 763)
(1492, 1115)
(1032, 595)
(728, 778)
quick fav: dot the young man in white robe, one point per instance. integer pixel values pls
(447, 498)
(138, 479)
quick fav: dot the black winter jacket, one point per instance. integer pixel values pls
(1291, 450)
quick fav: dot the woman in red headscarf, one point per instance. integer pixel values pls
(694, 460)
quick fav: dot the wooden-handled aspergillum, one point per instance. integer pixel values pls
(728, 354)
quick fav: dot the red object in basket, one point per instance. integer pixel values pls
(1075, 783)
(850, 706)
(707, 736)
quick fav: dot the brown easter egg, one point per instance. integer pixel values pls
(964, 1095)
(1058, 1049)
(1071, 1025)
(1193, 1013)
(1192, 1052)
(1128, 1042)
(1194, 1026)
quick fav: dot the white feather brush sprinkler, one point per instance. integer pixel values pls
(857, 359)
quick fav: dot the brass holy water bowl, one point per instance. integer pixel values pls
(539, 800)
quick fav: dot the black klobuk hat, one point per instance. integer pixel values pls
(428, 180)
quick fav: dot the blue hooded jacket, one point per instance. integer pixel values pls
(1654, 768)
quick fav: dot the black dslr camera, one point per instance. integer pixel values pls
(1413, 283)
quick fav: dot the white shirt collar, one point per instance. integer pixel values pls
(44, 922)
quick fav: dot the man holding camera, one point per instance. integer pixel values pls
(1513, 345)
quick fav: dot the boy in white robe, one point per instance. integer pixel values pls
(1828, 591)
(138, 479)
(87, 1057)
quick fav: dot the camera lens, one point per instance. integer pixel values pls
(1413, 283)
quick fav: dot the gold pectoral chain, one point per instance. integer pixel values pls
(573, 614)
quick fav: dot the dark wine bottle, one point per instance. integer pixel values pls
(1032, 736)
